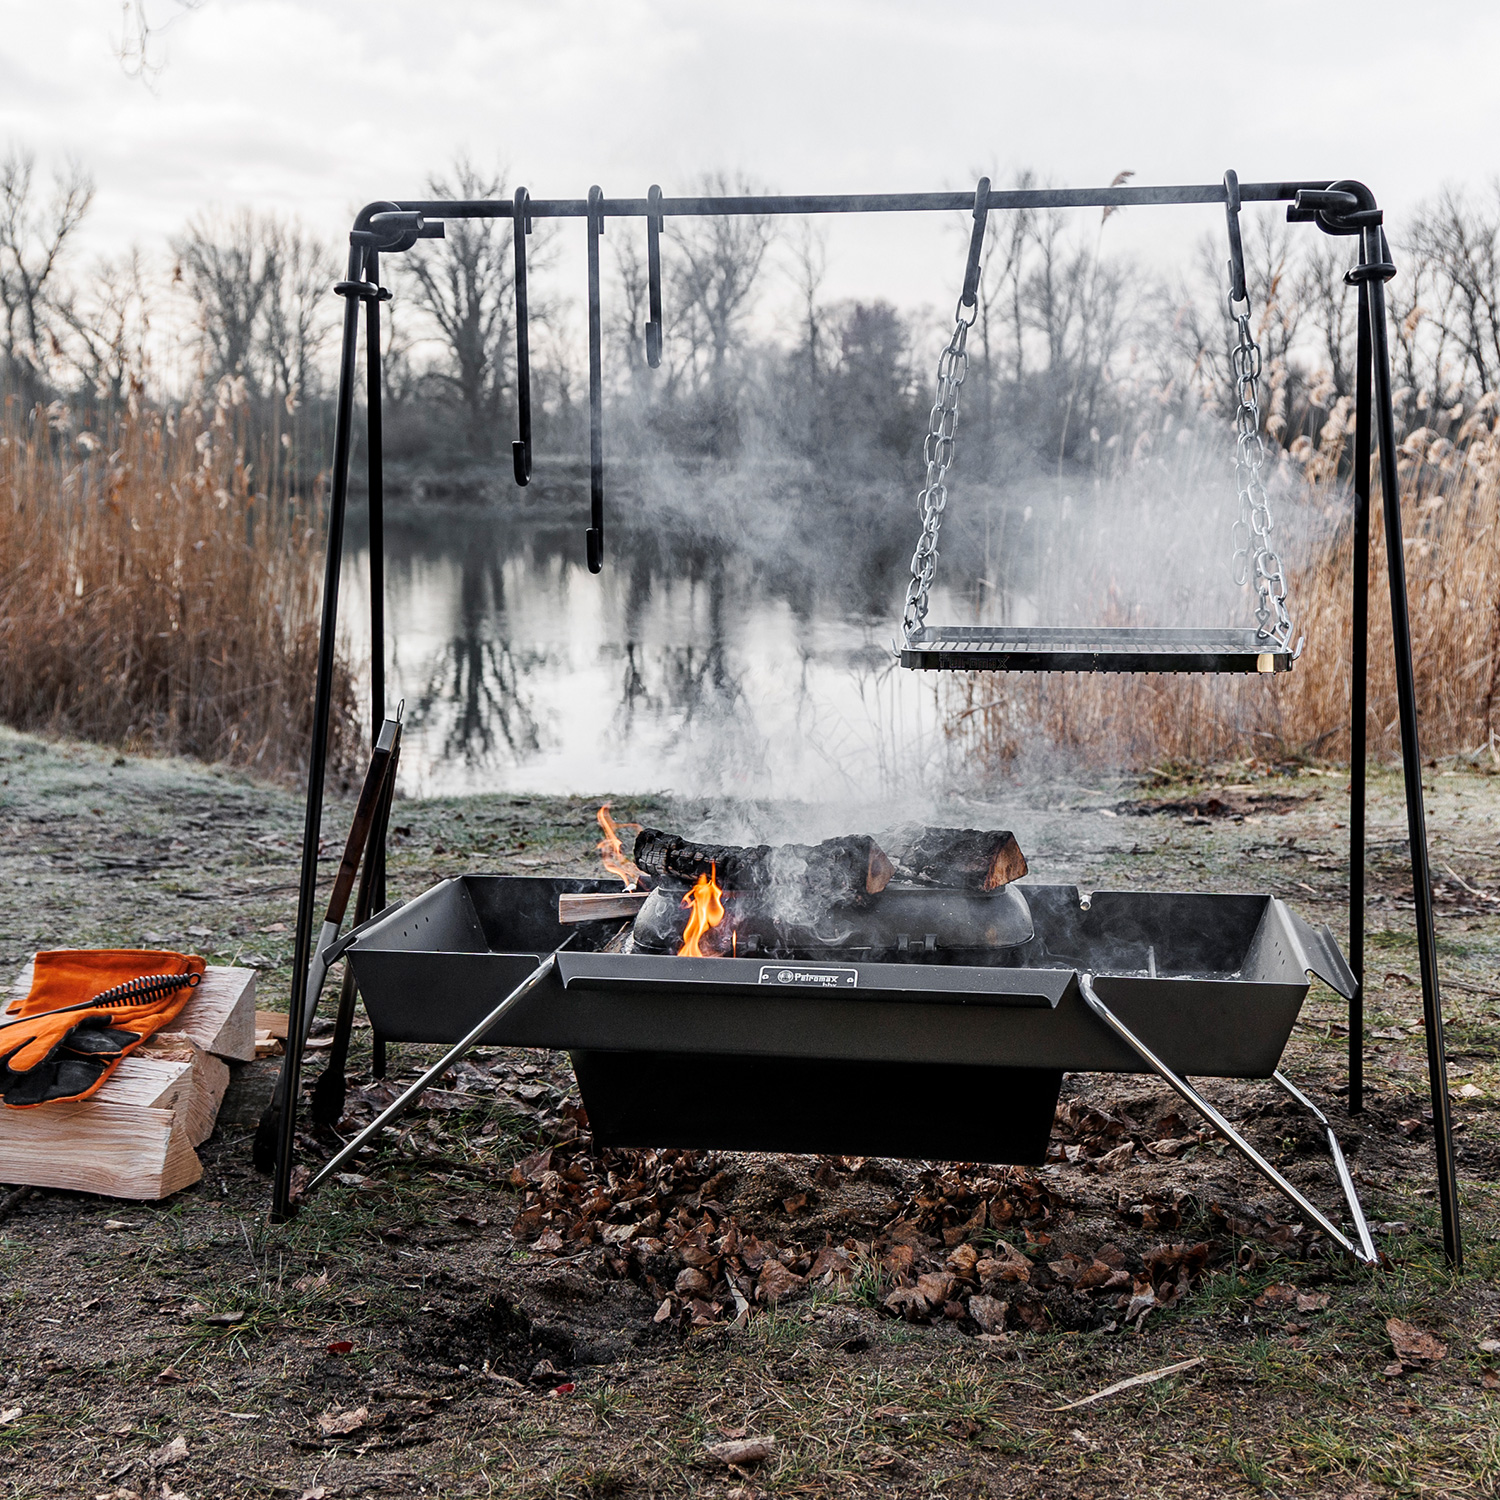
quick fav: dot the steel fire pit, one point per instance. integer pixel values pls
(839, 1054)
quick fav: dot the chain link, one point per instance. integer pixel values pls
(1255, 559)
(937, 449)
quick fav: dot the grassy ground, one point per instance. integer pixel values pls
(108, 1351)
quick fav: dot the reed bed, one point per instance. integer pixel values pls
(152, 598)
(1451, 520)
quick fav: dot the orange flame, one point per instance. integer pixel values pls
(612, 851)
(706, 901)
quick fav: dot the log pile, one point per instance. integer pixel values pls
(848, 871)
(135, 1138)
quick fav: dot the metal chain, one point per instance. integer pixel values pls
(1253, 529)
(937, 449)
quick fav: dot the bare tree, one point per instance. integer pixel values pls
(226, 264)
(464, 285)
(716, 265)
(34, 238)
(108, 326)
(297, 320)
(142, 25)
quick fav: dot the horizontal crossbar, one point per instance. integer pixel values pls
(858, 203)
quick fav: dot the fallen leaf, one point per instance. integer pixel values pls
(169, 1376)
(169, 1453)
(664, 1311)
(565, 1389)
(1489, 1346)
(1277, 1296)
(341, 1346)
(907, 1302)
(11, 1414)
(1311, 1301)
(1469, 1091)
(310, 1283)
(935, 1286)
(1414, 1345)
(549, 1241)
(988, 1312)
(776, 1282)
(317, 1492)
(742, 1451)
(193, 1310)
(225, 1319)
(1149, 1378)
(200, 932)
(692, 1283)
(1490, 1380)
(334, 1423)
(114, 1226)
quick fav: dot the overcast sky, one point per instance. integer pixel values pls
(316, 106)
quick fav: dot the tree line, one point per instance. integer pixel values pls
(1080, 358)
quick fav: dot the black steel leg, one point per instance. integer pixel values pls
(1373, 256)
(318, 749)
(1358, 696)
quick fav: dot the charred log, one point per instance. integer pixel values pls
(837, 870)
(969, 859)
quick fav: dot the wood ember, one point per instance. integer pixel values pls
(842, 869)
(970, 859)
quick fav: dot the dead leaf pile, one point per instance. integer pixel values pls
(1101, 1139)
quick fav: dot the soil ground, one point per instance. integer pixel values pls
(488, 1307)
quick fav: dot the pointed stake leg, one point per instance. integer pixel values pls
(1186, 1091)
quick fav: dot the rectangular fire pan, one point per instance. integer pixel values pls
(1213, 983)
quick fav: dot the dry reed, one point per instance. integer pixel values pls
(150, 598)
(1451, 520)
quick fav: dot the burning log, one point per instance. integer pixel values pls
(970, 859)
(837, 870)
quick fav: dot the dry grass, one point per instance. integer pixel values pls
(1451, 520)
(151, 598)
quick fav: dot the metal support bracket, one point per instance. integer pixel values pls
(1365, 1250)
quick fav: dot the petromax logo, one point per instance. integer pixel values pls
(823, 979)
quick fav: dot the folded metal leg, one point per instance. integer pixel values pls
(1346, 1181)
(414, 1091)
(1365, 1250)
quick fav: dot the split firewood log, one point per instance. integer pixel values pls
(970, 859)
(842, 869)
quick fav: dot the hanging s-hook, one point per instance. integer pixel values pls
(653, 276)
(1237, 291)
(520, 449)
(970, 296)
(594, 538)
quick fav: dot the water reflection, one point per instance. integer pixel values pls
(694, 669)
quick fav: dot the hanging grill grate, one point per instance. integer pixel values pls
(991, 648)
(1063, 648)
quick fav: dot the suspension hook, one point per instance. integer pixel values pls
(653, 276)
(970, 294)
(520, 449)
(1238, 294)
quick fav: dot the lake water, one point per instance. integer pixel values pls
(522, 671)
(739, 640)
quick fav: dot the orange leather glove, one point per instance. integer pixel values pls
(85, 1010)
